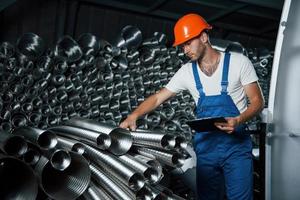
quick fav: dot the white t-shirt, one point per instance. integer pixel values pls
(241, 72)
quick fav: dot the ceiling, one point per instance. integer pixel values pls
(253, 17)
(259, 18)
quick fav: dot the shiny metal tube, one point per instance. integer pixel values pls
(96, 192)
(167, 112)
(121, 140)
(71, 145)
(32, 156)
(132, 36)
(12, 169)
(7, 50)
(34, 118)
(181, 142)
(150, 174)
(60, 159)
(166, 193)
(153, 139)
(68, 48)
(108, 184)
(102, 140)
(124, 173)
(173, 159)
(18, 119)
(13, 145)
(44, 139)
(152, 162)
(30, 45)
(6, 126)
(68, 184)
(141, 194)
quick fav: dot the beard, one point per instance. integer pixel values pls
(202, 52)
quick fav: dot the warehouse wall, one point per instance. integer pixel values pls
(51, 19)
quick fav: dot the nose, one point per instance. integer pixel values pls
(185, 48)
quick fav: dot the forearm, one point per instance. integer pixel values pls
(253, 109)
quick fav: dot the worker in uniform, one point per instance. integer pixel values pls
(222, 85)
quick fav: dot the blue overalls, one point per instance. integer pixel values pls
(222, 159)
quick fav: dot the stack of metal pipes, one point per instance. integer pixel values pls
(90, 78)
(97, 80)
(87, 159)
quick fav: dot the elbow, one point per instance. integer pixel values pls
(261, 104)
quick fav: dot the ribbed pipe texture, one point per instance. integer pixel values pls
(68, 184)
(173, 159)
(150, 174)
(44, 139)
(124, 173)
(96, 192)
(121, 140)
(60, 159)
(153, 139)
(18, 180)
(152, 162)
(102, 140)
(71, 145)
(109, 185)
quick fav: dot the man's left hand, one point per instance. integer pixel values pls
(230, 125)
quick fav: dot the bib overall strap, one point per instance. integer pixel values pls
(197, 79)
(224, 83)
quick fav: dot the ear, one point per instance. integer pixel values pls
(204, 37)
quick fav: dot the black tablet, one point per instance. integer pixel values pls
(205, 124)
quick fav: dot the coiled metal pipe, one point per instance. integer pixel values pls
(121, 140)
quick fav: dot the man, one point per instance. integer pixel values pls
(220, 84)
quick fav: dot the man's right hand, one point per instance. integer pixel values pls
(129, 122)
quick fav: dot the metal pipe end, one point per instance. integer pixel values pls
(31, 157)
(181, 142)
(178, 159)
(15, 146)
(104, 141)
(47, 140)
(136, 182)
(151, 175)
(144, 193)
(168, 141)
(60, 159)
(67, 184)
(121, 141)
(79, 148)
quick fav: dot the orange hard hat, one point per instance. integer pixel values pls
(188, 27)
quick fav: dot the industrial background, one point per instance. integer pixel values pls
(97, 60)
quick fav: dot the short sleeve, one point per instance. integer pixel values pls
(177, 82)
(248, 74)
